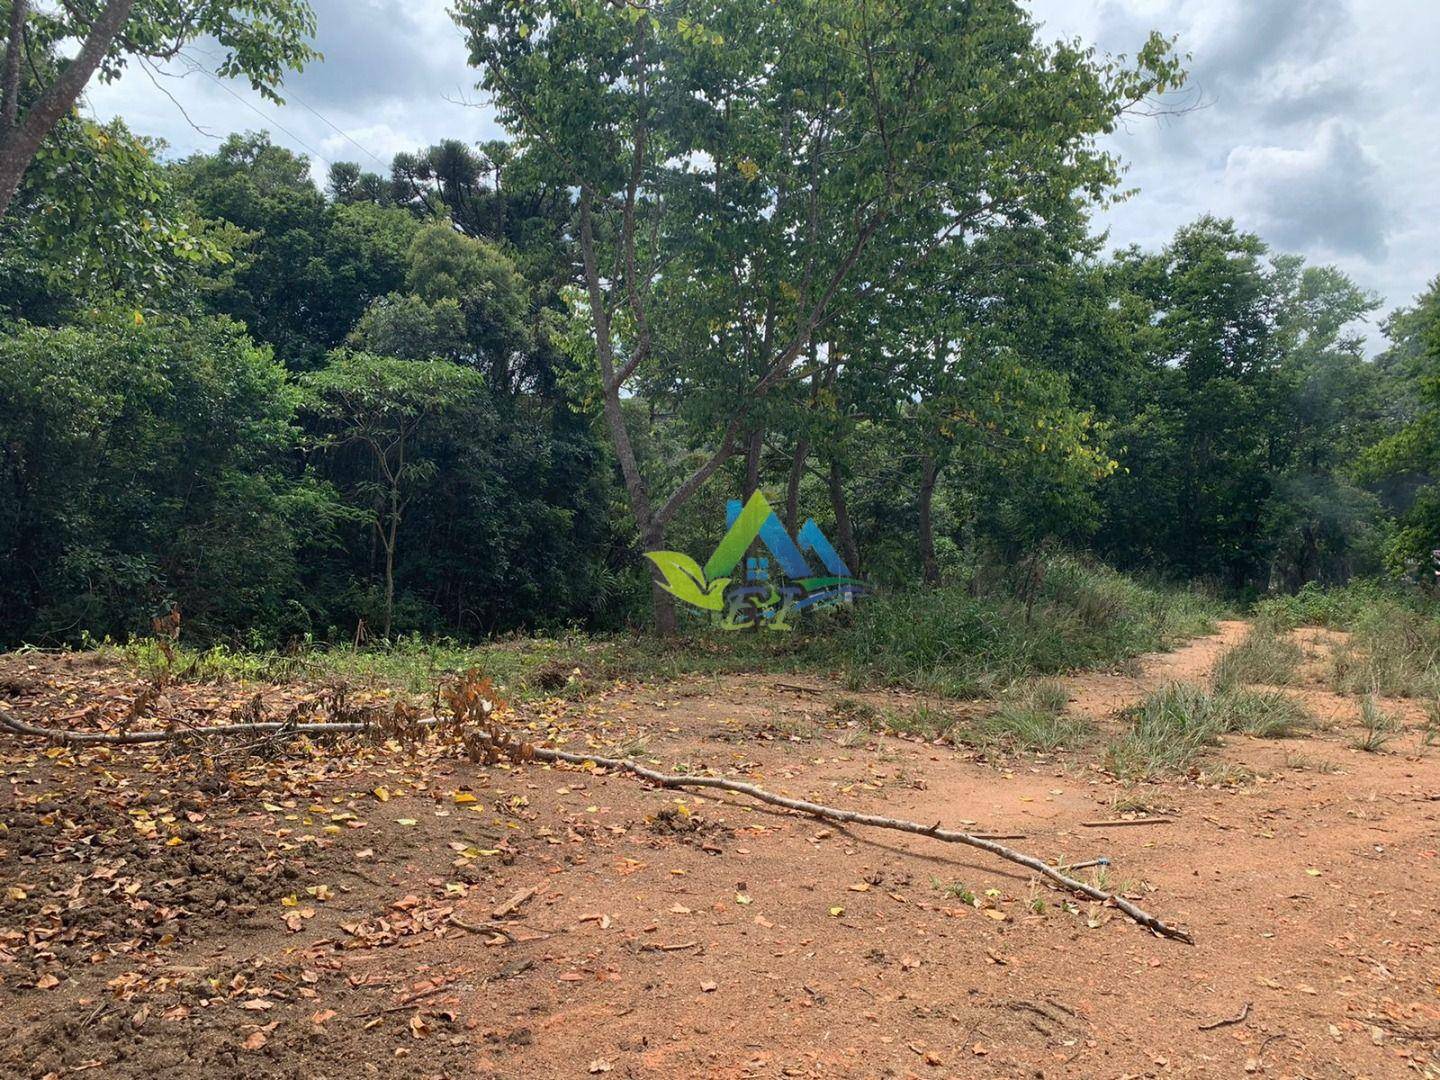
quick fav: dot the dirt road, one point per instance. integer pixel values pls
(330, 915)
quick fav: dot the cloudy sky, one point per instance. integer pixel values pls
(1317, 127)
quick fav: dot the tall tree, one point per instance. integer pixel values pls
(261, 40)
(744, 170)
(383, 405)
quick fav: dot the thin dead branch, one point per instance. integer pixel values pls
(830, 813)
(545, 754)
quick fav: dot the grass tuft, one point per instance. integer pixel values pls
(1031, 716)
(1171, 729)
(1265, 657)
(1379, 727)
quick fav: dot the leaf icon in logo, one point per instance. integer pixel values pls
(685, 581)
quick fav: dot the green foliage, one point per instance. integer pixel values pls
(1265, 657)
(957, 643)
(258, 40)
(1407, 462)
(304, 271)
(145, 467)
(97, 222)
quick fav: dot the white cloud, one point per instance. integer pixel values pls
(1318, 129)
(1321, 198)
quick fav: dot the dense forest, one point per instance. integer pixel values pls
(842, 255)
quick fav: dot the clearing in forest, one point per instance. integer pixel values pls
(378, 909)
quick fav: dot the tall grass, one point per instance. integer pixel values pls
(1264, 657)
(952, 642)
(1394, 645)
(1393, 651)
(1170, 730)
(1031, 716)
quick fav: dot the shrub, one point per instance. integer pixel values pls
(1264, 657)
(1031, 716)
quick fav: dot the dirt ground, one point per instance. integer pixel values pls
(329, 913)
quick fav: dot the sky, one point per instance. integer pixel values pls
(1314, 120)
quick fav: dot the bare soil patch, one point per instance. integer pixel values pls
(332, 912)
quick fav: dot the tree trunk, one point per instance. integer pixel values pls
(752, 462)
(20, 140)
(844, 533)
(792, 487)
(390, 538)
(662, 604)
(930, 567)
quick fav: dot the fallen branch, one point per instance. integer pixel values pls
(1128, 821)
(280, 728)
(830, 813)
(825, 813)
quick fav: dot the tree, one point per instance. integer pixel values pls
(261, 39)
(1409, 459)
(148, 467)
(304, 270)
(98, 223)
(383, 405)
(744, 171)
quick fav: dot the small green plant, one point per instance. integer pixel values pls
(1379, 727)
(1030, 716)
(1431, 734)
(955, 891)
(1168, 732)
(1264, 657)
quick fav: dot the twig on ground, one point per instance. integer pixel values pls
(1128, 821)
(830, 813)
(1237, 1019)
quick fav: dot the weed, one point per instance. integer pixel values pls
(1264, 657)
(847, 709)
(1393, 650)
(1229, 774)
(1168, 732)
(1265, 714)
(1031, 716)
(1301, 763)
(1379, 726)
(955, 891)
(924, 721)
(1431, 734)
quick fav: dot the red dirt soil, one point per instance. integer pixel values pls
(327, 914)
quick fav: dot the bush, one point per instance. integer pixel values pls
(147, 467)
(949, 641)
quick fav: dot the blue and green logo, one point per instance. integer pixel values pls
(760, 598)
